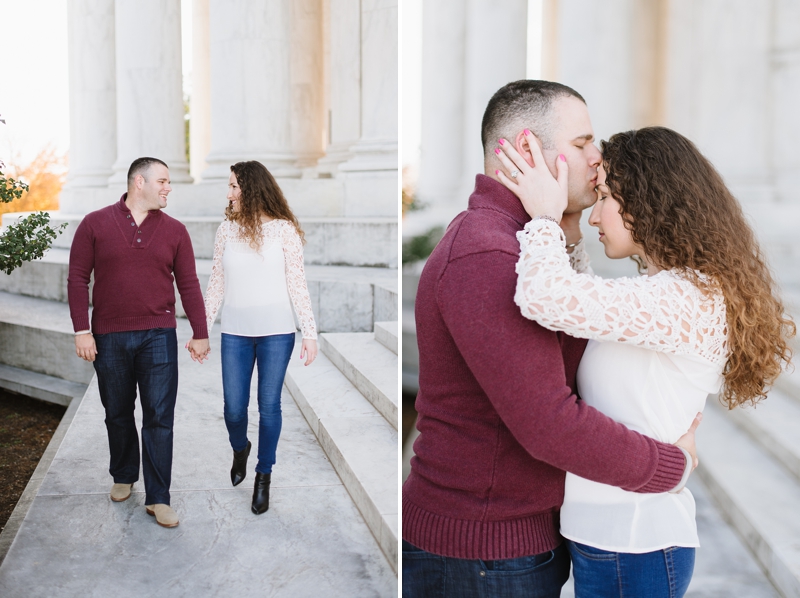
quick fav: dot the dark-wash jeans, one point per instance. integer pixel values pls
(600, 573)
(240, 354)
(428, 575)
(147, 359)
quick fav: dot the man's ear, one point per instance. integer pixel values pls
(138, 181)
(521, 145)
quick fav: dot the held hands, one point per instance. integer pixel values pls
(687, 441)
(308, 351)
(539, 192)
(198, 348)
(85, 347)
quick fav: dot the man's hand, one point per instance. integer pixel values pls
(308, 350)
(199, 349)
(687, 440)
(85, 347)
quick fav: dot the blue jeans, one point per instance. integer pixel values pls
(147, 359)
(536, 576)
(239, 355)
(659, 574)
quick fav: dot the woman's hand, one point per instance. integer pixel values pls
(539, 192)
(308, 350)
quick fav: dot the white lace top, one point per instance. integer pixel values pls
(259, 287)
(657, 349)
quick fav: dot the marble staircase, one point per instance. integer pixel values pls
(349, 399)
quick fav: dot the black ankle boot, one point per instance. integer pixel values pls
(261, 493)
(239, 467)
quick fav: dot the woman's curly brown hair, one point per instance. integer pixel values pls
(680, 212)
(261, 196)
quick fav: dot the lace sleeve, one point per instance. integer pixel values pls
(579, 259)
(663, 312)
(296, 280)
(216, 283)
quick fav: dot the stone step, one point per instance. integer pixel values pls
(775, 425)
(360, 443)
(344, 298)
(756, 495)
(37, 336)
(370, 242)
(368, 365)
(40, 386)
(386, 334)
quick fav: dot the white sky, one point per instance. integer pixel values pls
(34, 89)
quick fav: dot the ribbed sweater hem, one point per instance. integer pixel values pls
(134, 323)
(487, 540)
(669, 471)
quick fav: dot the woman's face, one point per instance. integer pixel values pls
(614, 235)
(234, 193)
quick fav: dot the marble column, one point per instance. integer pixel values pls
(306, 80)
(718, 88)
(469, 52)
(596, 57)
(251, 92)
(92, 91)
(344, 76)
(441, 173)
(200, 102)
(371, 176)
(785, 91)
(149, 87)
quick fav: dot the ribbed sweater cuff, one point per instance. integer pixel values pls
(136, 323)
(671, 465)
(487, 540)
(81, 323)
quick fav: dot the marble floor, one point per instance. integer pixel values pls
(312, 542)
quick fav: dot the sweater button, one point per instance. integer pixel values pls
(138, 231)
(128, 216)
(133, 224)
(138, 240)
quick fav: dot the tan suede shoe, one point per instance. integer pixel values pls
(165, 516)
(121, 492)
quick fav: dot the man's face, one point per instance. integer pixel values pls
(573, 136)
(155, 186)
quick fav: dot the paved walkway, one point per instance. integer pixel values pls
(312, 542)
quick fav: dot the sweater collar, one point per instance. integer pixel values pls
(492, 195)
(122, 206)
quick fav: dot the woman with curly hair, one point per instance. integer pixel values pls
(704, 319)
(257, 276)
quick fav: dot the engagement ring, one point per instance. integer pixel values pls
(514, 173)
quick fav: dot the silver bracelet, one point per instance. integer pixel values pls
(545, 217)
(575, 244)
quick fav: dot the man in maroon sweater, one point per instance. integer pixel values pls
(499, 419)
(135, 250)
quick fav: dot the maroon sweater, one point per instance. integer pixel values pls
(133, 272)
(499, 420)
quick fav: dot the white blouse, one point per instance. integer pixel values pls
(657, 349)
(259, 287)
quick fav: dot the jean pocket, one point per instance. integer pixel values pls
(590, 552)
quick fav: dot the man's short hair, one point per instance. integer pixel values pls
(520, 105)
(141, 166)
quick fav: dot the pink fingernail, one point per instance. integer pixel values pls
(562, 158)
(497, 172)
(500, 141)
(497, 150)
(527, 131)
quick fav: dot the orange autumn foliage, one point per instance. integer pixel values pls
(44, 175)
